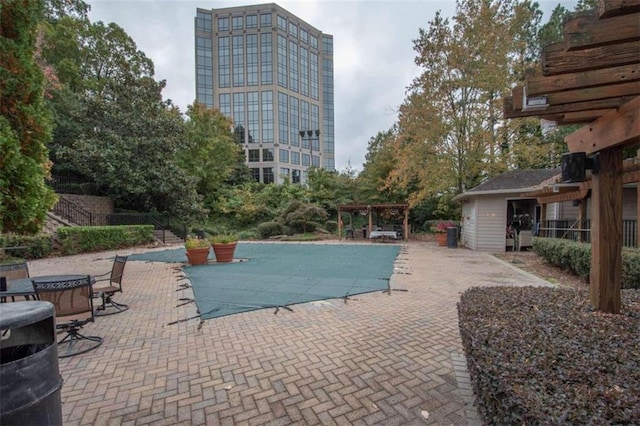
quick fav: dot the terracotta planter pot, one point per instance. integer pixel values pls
(441, 238)
(198, 256)
(224, 252)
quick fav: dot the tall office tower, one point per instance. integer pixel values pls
(272, 74)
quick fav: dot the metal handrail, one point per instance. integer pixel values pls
(73, 212)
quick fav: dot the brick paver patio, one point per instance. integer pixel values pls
(391, 359)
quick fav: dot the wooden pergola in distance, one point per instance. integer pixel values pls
(368, 209)
(592, 77)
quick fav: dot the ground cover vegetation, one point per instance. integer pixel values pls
(544, 356)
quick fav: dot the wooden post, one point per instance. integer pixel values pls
(606, 232)
(370, 220)
(543, 219)
(339, 224)
(638, 211)
(582, 216)
(406, 223)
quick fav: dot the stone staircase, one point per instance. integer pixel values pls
(169, 237)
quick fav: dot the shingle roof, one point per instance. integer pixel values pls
(516, 179)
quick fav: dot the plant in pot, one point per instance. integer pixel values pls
(197, 250)
(440, 229)
(224, 246)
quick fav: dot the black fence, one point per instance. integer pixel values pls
(581, 231)
(75, 214)
(63, 184)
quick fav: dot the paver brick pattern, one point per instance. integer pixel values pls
(381, 358)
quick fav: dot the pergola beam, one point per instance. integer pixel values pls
(619, 128)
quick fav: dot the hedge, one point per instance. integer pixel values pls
(543, 356)
(576, 257)
(29, 246)
(82, 239)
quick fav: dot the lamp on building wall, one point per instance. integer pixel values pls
(310, 136)
(575, 166)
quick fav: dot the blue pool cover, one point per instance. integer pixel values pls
(277, 275)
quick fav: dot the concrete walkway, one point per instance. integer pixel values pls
(389, 359)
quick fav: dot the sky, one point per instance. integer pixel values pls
(373, 53)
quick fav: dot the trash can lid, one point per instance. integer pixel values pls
(18, 314)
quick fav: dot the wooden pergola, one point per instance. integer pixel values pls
(592, 77)
(395, 210)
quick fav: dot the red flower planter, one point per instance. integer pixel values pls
(198, 256)
(441, 238)
(224, 252)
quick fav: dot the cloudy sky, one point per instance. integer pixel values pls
(373, 52)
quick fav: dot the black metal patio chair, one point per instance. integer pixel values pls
(111, 284)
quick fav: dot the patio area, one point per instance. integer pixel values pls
(380, 358)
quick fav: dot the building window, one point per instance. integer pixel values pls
(294, 124)
(267, 116)
(314, 41)
(252, 60)
(224, 62)
(266, 59)
(293, 66)
(204, 71)
(223, 24)
(282, 23)
(225, 104)
(284, 175)
(253, 116)
(327, 45)
(304, 122)
(237, 23)
(283, 122)
(255, 174)
(304, 71)
(295, 176)
(203, 21)
(314, 76)
(267, 174)
(254, 157)
(238, 111)
(238, 61)
(251, 21)
(315, 161)
(304, 36)
(282, 61)
(265, 20)
(295, 157)
(306, 160)
(284, 155)
(293, 29)
(267, 154)
(315, 124)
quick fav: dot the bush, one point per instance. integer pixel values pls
(331, 226)
(543, 356)
(576, 257)
(35, 246)
(269, 229)
(82, 239)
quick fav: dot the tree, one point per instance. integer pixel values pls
(380, 162)
(112, 125)
(211, 155)
(450, 133)
(25, 125)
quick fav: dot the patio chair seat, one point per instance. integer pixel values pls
(112, 285)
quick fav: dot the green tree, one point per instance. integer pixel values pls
(25, 124)
(212, 154)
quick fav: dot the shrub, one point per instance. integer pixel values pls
(269, 229)
(35, 246)
(331, 226)
(543, 356)
(82, 239)
(576, 257)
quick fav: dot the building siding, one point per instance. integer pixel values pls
(491, 224)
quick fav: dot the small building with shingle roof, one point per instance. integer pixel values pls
(489, 208)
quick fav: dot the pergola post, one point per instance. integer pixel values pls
(606, 232)
(339, 224)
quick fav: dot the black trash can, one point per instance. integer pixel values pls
(30, 380)
(452, 237)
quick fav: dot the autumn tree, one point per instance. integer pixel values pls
(450, 133)
(25, 125)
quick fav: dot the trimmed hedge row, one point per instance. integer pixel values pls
(541, 356)
(31, 246)
(576, 257)
(82, 239)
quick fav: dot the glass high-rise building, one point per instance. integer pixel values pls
(272, 74)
